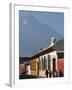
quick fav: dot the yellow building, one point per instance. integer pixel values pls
(34, 66)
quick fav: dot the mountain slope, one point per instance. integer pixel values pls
(34, 35)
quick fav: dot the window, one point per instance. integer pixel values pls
(33, 65)
(49, 63)
(54, 64)
(44, 62)
(40, 63)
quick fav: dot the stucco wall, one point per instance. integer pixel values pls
(60, 65)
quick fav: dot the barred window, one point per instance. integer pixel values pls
(44, 62)
(49, 63)
(40, 63)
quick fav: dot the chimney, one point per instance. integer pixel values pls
(40, 49)
(53, 41)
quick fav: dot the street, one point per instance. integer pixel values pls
(23, 76)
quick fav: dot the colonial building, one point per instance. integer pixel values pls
(48, 62)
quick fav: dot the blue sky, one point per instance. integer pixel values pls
(52, 19)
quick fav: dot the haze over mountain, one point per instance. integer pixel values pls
(34, 35)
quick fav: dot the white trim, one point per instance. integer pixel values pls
(15, 44)
(12, 47)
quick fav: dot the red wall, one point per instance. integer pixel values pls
(60, 65)
(21, 69)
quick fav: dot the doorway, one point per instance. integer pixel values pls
(54, 64)
(37, 68)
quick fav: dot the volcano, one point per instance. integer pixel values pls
(34, 35)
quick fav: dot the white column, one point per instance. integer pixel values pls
(51, 64)
(46, 62)
(56, 63)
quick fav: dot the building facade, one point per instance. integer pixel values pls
(48, 62)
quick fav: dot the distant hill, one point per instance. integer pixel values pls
(60, 45)
(35, 35)
(23, 59)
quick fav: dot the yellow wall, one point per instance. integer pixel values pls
(34, 72)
